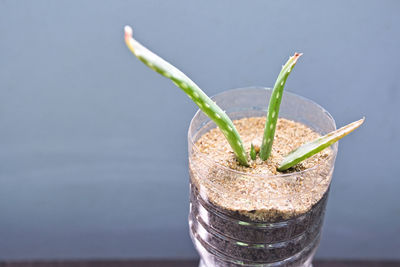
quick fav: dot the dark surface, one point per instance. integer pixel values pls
(181, 263)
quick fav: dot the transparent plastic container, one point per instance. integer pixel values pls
(226, 237)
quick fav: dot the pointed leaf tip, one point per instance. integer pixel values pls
(128, 30)
(296, 56)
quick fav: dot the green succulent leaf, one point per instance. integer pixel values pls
(274, 105)
(208, 106)
(253, 153)
(309, 149)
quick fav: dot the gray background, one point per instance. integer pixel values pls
(93, 160)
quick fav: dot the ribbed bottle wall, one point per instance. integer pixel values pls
(238, 218)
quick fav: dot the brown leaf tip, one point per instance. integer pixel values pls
(128, 31)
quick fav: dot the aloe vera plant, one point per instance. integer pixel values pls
(192, 90)
(273, 107)
(225, 124)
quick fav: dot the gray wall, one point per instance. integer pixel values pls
(93, 160)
